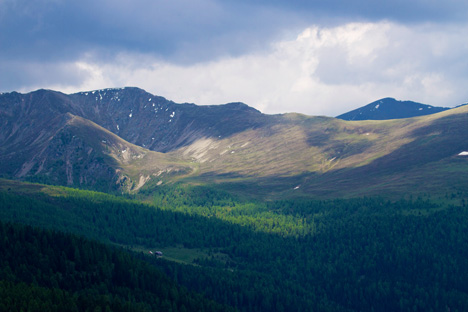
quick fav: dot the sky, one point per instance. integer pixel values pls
(314, 57)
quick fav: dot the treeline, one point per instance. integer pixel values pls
(50, 271)
(366, 254)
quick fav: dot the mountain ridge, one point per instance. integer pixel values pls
(59, 138)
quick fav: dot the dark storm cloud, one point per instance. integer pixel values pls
(181, 30)
(48, 30)
(37, 75)
(396, 10)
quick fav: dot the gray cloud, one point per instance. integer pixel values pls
(183, 30)
(396, 10)
(179, 30)
(24, 76)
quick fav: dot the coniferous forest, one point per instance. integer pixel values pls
(75, 250)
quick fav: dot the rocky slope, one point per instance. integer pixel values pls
(45, 136)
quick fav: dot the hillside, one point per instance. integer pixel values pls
(50, 271)
(70, 150)
(81, 139)
(328, 157)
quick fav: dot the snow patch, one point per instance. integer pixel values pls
(173, 114)
(377, 106)
(130, 115)
(463, 154)
(420, 108)
(297, 187)
(149, 100)
(118, 128)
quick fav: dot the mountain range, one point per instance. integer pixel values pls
(128, 139)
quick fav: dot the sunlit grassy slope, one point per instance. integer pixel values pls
(327, 157)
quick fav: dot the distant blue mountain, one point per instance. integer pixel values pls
(389, 108)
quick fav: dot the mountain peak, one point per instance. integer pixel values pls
(239, 106)
(390, 108)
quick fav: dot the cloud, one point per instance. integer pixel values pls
(186, 31)
(32, 75)
(183, 31)
(322, 71)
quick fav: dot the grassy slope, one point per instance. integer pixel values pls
(327, 157)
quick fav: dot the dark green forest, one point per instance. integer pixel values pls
(363, 254)
(51, 271)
